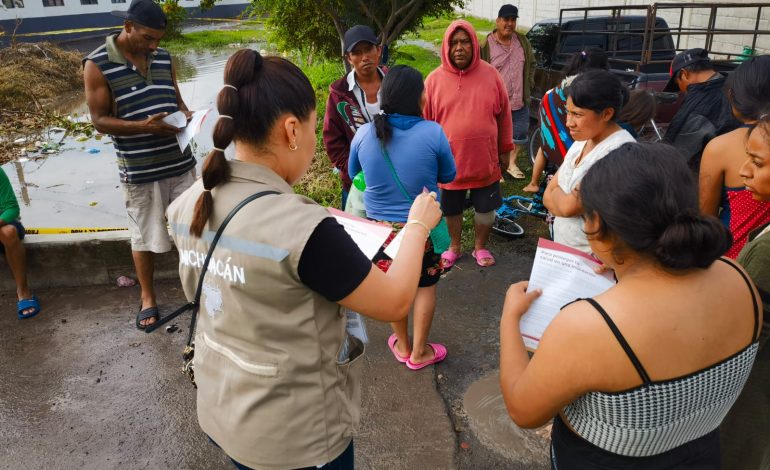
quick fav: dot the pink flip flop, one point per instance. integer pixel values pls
(392, 345)
(440, 354)
(483, 254)
(449, 258)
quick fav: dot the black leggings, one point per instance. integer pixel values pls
(571, 452)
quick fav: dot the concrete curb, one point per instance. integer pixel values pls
(86, 259)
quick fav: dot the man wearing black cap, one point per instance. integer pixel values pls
(705, 112)
(353, 99)
(511, 54)
(130, 87)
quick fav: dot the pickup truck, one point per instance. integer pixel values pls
(639, 42)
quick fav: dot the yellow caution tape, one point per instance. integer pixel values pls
(68, 31)
(66, 230)
(104, 28)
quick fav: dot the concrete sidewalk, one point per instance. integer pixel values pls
(82, 388)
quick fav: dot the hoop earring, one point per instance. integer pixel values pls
(293, 146)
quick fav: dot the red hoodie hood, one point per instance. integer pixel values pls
(446, 63)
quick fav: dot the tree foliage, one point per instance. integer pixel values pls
(176, 14)
(318, 26)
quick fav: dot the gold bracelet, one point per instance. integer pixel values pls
(419, 222)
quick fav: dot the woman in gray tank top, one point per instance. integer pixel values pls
(643, 373)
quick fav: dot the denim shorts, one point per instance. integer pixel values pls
(520, 119)
(19, 230)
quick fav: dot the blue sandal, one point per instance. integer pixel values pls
(26, 304)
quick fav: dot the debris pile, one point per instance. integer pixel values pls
(33, 76)
(35, 72)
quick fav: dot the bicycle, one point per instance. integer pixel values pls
(514, 207)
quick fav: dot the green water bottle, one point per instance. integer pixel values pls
(747, 53)
(359, 182)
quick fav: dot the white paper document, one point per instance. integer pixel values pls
(355, 325)
(177, 119)
(392, 249)
(368, 235)
(192, 129)
(564, 274)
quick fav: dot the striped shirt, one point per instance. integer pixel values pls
(142, 158)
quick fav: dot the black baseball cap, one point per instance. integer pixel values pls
(144, 12)
(682, 60)
(508, 11)
(357, 34)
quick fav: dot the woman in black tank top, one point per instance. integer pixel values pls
(641, 375)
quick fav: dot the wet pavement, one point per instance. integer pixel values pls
(82, 388)
(77, 185)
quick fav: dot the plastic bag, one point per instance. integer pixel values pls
(355, 202)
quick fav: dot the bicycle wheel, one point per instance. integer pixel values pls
(528, 206)
(524, 205)
(534, 144)
(507, 228)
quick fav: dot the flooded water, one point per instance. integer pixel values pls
(78, 185)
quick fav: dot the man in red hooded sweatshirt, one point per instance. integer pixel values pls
(468, 98)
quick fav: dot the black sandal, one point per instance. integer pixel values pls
(151, 312)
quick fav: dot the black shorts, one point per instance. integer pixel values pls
(432, 267)
(486, 199)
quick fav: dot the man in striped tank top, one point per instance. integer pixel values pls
(130, 87)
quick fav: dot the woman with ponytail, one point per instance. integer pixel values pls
(278, 375)
(641, 375)
(400, 153)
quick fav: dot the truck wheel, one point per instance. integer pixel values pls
(534, 144)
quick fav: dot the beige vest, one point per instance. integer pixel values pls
(270, 390)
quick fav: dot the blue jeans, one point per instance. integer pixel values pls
(345, 461)
(520, 119)
(344, 198)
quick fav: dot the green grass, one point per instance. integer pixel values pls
(433, 28)
(509, 187)
(420, 58)
(321, 183)
(215, 39)
(321, 75)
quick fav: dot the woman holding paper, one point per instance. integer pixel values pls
(277, 373)
(641, 375)
(401, 153)
(594, 101)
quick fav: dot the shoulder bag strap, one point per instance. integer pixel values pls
(196, 301)
(195, 304)
(393, 172)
